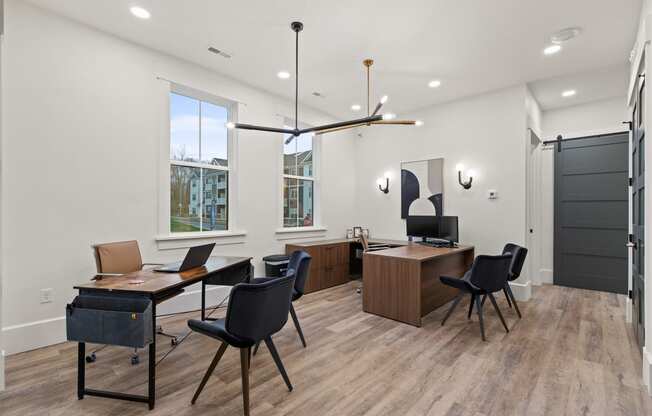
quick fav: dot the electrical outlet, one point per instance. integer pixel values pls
(47, 295)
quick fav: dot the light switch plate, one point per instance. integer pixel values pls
(47, 295)
(492, 194)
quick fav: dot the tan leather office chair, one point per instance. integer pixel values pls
(116, 259)
(366, 246)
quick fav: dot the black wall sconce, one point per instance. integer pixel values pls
(465, 184)
(383, 183)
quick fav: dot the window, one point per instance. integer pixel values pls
(199, 164)
(298, 182)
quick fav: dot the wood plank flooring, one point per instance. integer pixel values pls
(571, 354)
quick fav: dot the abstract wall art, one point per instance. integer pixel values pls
(422, 187)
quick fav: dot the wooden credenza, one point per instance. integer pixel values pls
(330, 263)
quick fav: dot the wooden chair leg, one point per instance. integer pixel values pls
(244, 364)
(277, 360)
(296, 325)
(500, 315)
(455, 302)
(471, 306)
(211, 368)
(478, 306)
(511, 295)
(509, 301)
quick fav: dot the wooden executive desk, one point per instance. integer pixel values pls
(403, 283)
(400, 283)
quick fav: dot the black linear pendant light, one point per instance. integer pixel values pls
(374, 117)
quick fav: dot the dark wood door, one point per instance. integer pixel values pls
(638, 215)
(591, 212)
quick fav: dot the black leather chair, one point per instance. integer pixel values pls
(519, 254)
(299, 261)
(518, 259)
(256, 311)
(487, 275)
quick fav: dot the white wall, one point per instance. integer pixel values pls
(2, 353)
(83, 125)
(485, 133)
(597, 117)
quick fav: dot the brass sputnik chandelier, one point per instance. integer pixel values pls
(387, 118)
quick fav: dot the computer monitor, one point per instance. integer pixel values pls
(422, 226)
(448, 229)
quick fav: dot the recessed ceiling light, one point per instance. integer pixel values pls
(283, 74)
(434, 83)
(552, 49)
(418, 123)
(568, 93)
(356, 107)
(140, 13)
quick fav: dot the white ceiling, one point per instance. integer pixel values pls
(472, 46)
(600, 84)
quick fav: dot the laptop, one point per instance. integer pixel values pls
(196, 257)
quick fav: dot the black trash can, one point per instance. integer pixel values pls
(276, 265)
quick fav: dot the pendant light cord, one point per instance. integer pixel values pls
(368, 89)
(296, 83)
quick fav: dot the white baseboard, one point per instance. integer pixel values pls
(38, 334)
(545, 276)
(647, 369)
(33, 335)
(522, 291)
(628, 310)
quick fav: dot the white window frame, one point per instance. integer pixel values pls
(166, 237)
(317, 226)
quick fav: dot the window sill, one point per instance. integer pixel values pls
(185, 240)
(300, 232)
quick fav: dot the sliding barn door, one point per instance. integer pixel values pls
(591, 213)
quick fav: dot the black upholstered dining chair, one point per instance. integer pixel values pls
(256, 311)
(488, 275)
(519, 254)
(518, 259)
(300, 262)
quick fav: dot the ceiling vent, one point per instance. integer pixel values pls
(219, 52)
(565, 35)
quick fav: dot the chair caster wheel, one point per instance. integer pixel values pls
(358, 291)
(135, 360)
(91, 358)
(174, 341)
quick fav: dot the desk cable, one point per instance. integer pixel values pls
(187, 334)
